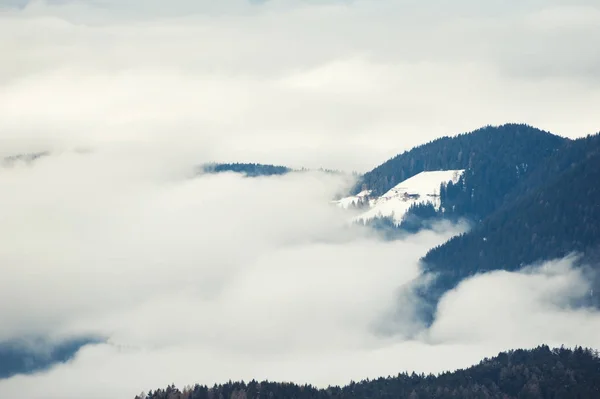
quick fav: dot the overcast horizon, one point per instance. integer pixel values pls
(292, 82)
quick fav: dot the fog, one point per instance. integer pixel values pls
(214, 277)
(187, 278)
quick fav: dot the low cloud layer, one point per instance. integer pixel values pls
(208, 278)
(163, 264)
(222, 277)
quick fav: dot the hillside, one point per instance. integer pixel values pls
(535, 197)
(568, 156)
(495, 160)
(248, 169)
(421, 189)
(18, 358)
(560, 217)
(257, 169)
(536, 374)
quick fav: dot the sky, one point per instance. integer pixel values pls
(333, 84)
(201, 279)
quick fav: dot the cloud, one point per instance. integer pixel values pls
(207, 278)
(202, 279)
(534, 305)
(124, 244)
(292, 82)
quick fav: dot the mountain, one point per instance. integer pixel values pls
(495, 160)
(421, 189)
(534, 374)
(554, 212)
(25, 357)
(257, 169)
(531, 196)
(248, 169)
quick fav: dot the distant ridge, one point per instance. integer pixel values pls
(554, 212)
(530, 196)
(247, 169)
(26, 157)
(488, 155)
(256, 169)
(537, 373)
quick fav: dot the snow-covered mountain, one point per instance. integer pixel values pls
(421, 188)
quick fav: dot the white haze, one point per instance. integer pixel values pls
(336, 84)
(222, 277)
(219, 277)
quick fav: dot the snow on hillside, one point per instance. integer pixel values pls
(421, 188)
(354, 200)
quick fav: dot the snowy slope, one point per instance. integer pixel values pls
(354, 200)
(421, 188)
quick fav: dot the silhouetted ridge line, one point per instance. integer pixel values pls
(538, 373)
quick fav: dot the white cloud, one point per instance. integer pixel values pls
(219, 277)
(122, 244)
(293, 82)
(529, 307)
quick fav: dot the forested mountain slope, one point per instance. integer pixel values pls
(557, 214)
(257, 169)
(534, 374)
(568, 156)
(248, 169)
(20, 358)
(494, 158)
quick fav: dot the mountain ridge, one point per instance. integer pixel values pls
(539, 203)
(449, 152)
(552, 220)
(534, 374)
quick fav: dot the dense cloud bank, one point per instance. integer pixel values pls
(202, 279)
(207, 278)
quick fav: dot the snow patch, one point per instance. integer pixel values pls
(422, 188)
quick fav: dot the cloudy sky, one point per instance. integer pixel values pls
(337, 84)
(219, 277)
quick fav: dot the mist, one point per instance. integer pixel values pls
(202, 278)
(184, 278)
